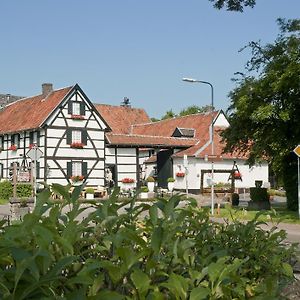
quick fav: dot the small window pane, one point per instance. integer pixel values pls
(76, 108)
(76, 168)
(76, 136)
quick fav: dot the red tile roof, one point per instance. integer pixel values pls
(30, 113)
(149, 141)
(120, 118)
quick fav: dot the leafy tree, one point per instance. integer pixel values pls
(194, 109)
(169, 115)
(154, 119)
(233, 5)
(265, 107)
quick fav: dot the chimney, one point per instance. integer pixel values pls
(47, 88)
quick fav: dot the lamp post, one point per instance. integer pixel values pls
(191, 80)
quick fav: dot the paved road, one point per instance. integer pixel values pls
(293, 230)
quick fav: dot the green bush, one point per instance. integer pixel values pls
(171, 179)
(144, 189)
(24, 190)
(90, 190)
(6, 190)
(259, 194)
(174, 253)
(150, 179)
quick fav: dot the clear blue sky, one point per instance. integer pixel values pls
(134, 48)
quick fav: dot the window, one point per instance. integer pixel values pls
(76, 136)
(1, 170)
(76, 168)
(1, 142)
(15, 140)
(76, 108)
(34, 138)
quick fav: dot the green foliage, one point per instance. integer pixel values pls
(6, 190)
(233, 5)
(169, 115)
(174, 253)
(90, 190)
(24, 190)
(171, 179)
(150, 179)
(259, 194)
(265, 107)
(144, 189)
(194, 109)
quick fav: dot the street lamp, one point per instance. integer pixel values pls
(191, 80)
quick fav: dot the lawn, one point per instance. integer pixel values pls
(278, 213)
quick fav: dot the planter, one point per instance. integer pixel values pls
(127, 186)
(151, 186)
(144, 195)
(89, 196)
(170, 186)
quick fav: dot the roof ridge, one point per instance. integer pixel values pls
(119, 106)
(34, 96)
(154, 136)
(176, 118)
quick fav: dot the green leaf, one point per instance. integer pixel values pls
(153, 214)
(141, 281)
(61, 190)
(199, 293)
(287, 270)
(156, 239)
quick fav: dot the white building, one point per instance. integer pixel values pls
(85, 141)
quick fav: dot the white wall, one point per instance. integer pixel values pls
(249, 175)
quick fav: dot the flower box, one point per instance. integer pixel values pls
(127, 180)
(180, 174)
(77, 117)
(77, 178)
(13, 148)
(77, 145)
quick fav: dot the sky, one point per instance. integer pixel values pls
(140, 49)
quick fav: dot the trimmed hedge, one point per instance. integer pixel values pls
(259, 194)
(6, 190)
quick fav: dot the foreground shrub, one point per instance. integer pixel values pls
(115, 252)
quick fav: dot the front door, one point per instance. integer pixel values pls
(164, 167)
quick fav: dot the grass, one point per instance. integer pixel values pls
(3, 201)
(278, 213)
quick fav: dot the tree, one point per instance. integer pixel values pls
(233, 5)
(194, 109)
(169, 115)
(265, 107)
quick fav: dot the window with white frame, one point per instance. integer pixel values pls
(76, 108)
(76, 168)
(76, 136)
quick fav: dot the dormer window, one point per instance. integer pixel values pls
(184, 132)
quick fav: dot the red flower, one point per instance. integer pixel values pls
(77, 178)
(13, 148)
(32, 146)
(77, 145)
(237, 175)
(77, 117)
(180, 174)
(127, 180)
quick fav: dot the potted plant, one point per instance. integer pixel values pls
(144, 192)
(89, 193)
(171, 181)
(150, 183)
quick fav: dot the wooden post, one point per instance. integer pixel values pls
(15, 180)
(31, 180)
